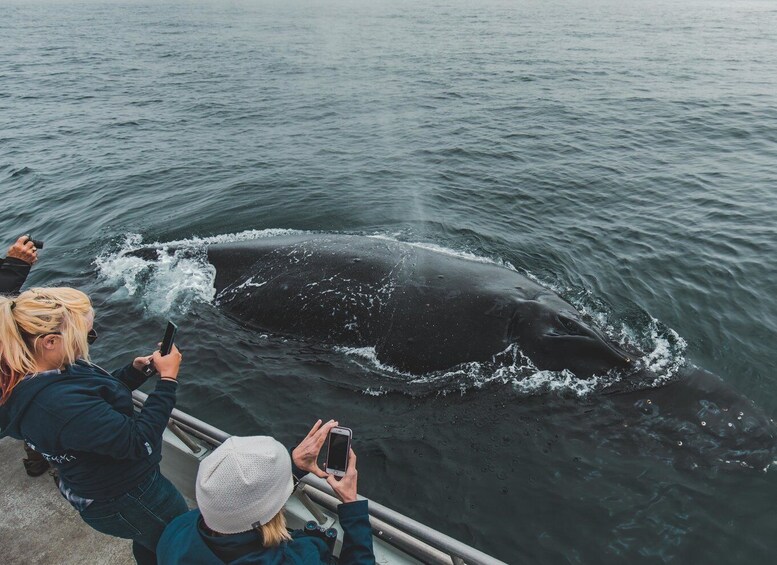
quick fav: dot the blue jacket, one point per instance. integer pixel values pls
(82, 420)
(13, 273)
(185, 542)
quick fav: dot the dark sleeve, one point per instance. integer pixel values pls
(130, 376)
(102, 429)
(357, 534)
(13, 273)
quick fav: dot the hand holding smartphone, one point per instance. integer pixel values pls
(341, 465)
(166, 347)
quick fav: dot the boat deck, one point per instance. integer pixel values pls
(37, 525)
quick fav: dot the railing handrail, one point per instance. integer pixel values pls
(424, 533)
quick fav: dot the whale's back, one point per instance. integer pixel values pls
(421, 309)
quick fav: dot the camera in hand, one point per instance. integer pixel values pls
(167, 346)
(38, 243)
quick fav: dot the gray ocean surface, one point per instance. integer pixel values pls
(622, 153)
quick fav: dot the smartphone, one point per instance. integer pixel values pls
(167, 346)
(339, 447)
(167, 341)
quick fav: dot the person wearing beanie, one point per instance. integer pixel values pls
(241, 490)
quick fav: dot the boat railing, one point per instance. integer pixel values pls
(410, 536)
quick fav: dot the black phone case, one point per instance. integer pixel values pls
(167, 346)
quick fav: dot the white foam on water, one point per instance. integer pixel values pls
(370, 355)
(445, 251)
(171, 281)
(380, 391)
(224, 238)
(668, 353)
(507, 367)
(563, 381)
(116, 268)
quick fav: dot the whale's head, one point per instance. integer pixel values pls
(556, 338)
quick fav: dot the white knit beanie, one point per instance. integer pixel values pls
(244, 481)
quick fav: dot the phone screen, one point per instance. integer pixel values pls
(337, 455)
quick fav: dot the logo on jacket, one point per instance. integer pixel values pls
(59, 459)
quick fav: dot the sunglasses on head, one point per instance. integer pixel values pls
(91, 335)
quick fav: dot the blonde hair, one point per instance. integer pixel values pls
(35, 313)
(274, 532)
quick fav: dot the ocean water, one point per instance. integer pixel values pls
(621, 153)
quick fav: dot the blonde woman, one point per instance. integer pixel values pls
(81, 418)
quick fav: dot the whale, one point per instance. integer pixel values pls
(424, 309)
(421, 309)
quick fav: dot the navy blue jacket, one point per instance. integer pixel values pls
(185, 542)
(13, 273)
(82, 420)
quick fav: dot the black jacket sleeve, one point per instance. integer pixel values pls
(13, 273)
(130, 376)
(357, 534)
(102, 429)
